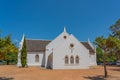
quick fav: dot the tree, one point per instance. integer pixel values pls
(110, 46)
(24, 54)
(115, 28)
(8, 49)
(101, 42)
(10, 53)
(107, 45)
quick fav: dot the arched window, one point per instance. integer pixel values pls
(77, 59)
(37, 58)
(72, 60)
(66, 59)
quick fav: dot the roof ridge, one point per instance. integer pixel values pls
(39, 39)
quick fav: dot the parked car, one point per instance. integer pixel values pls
(118, 62)
(111, 63)
(99, 63)
(2, 62)
(107, 63)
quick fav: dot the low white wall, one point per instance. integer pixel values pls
(31, 59)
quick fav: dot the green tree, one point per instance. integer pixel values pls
(24, 54)
(107, 45)
(99, 54)
(8, 49)
(115, 29)
(101, 43)
(1, 48)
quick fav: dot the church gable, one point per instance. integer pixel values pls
(68, 52)
(58, 40)
(65, 42)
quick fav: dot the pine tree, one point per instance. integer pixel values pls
(24, 54)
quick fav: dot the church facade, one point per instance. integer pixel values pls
(64, 52)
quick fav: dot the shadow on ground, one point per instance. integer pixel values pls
(100, 77)
(115, 70)
(5, 78)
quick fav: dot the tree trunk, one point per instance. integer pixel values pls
(7, 62)
(105, 69)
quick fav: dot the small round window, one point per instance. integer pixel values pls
(65, 37)
(71, 45)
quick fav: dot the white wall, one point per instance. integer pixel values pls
(19, 59)
(64, 49)
(93, 60)
(31, 59)
(54, 44)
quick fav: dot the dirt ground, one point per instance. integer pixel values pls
(11, 72)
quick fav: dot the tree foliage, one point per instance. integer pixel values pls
(8, 50)
(115, 28)
(99, 54)
(110, 45)
(24, 54)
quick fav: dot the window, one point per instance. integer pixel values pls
(77, 60)
(66, 59)
(37, 58)
(65, 37)
(71, 45)
(72, 60)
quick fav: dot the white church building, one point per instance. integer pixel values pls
(64, 52)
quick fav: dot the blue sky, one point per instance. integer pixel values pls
(45, 19)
